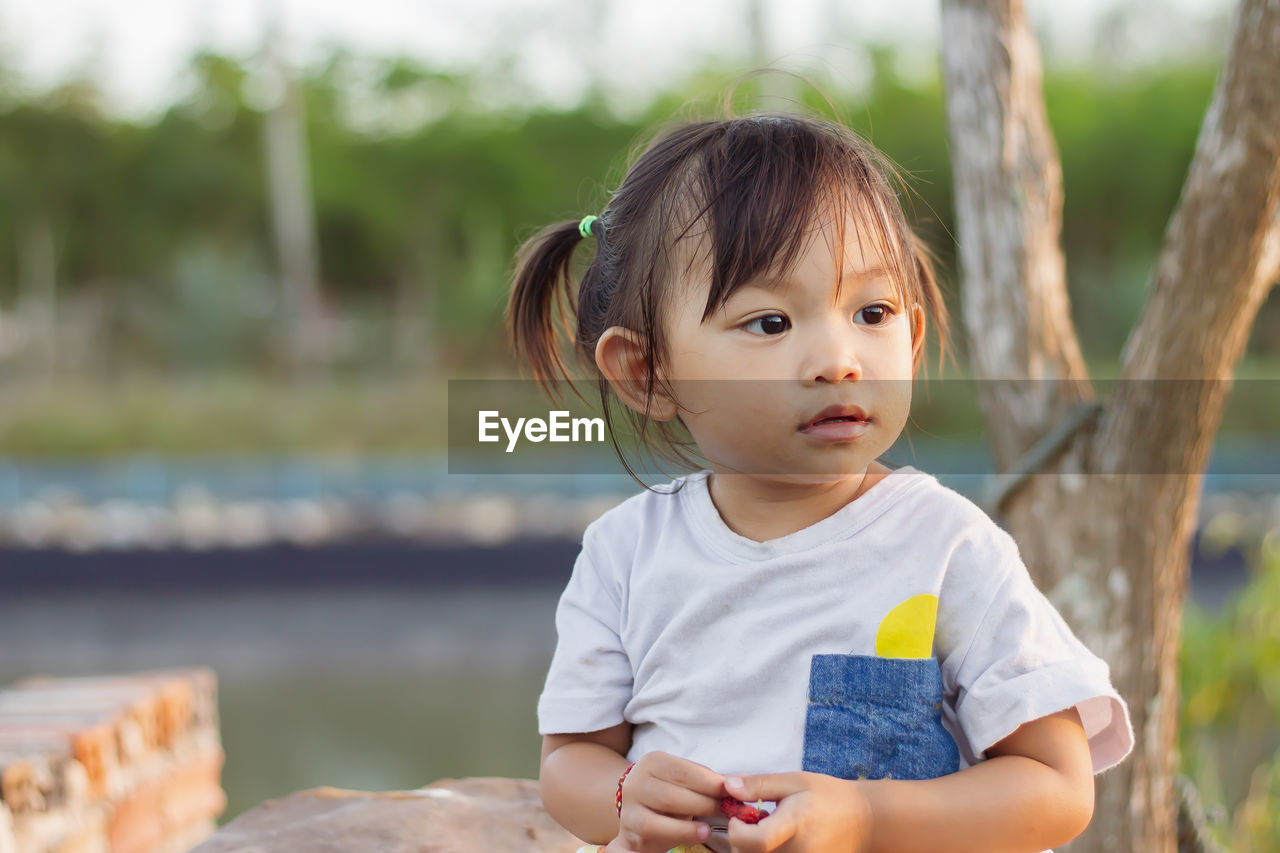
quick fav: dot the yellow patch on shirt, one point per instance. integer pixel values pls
(907, 630)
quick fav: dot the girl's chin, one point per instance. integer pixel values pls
(811, 476)
(829, 464)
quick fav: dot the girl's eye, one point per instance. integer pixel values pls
(770, 324)
(877, 315)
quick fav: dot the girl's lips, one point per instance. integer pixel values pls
(838, 412)
(836, 430)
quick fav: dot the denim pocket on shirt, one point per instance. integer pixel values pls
(877, 718)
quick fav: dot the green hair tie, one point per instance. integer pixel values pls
(584, 227)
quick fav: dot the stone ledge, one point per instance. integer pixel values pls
(448, 816)
(124, 763)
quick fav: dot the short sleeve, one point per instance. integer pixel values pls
(589, 680)
(1011, 658)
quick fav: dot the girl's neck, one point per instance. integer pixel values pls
(762, 509)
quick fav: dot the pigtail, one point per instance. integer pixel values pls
(542, 270)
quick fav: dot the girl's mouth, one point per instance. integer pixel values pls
(837, 429)
(837, 414)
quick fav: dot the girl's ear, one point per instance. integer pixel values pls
(621, 359)
(917, 339)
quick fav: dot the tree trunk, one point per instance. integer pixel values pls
(293, 215)
(38, 289)
(1105, 525)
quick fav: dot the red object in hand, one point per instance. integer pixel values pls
(744, 812)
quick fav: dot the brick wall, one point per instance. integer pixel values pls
(125, 763)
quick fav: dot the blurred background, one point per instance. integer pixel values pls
(244, 246)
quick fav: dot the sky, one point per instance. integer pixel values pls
(137, 49)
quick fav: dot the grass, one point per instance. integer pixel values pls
(222, 414)
(242, 412)
(1230, 726)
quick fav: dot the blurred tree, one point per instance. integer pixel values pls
(421, 193)
(1110, 549)
(47, 152)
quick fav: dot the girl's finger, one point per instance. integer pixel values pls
(649, 832)
(669, 798)
(769, 834)
(765, 786)
(688, 774)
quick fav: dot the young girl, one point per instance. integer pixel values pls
(795, 622)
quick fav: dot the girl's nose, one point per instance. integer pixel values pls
(833, 358)
(847, 370)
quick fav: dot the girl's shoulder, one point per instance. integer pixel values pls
(941, 502)
(626, 522)
(937, 518)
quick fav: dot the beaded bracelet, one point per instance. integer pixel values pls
(617, 800)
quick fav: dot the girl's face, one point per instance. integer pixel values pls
(751, 381)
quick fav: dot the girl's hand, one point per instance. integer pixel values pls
(660, 797)
(815, 812)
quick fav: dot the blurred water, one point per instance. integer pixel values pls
(374, 689)
(152, 480)
(1238, 463)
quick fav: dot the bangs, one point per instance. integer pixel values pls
(767, 186)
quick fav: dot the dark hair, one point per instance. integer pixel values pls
(752, 186)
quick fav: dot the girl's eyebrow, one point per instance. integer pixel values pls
(855, 277)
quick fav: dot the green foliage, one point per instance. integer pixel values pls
(1125, 146)
(422, 193)
(1230, 671)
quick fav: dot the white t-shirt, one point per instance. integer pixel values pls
(702, 638)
